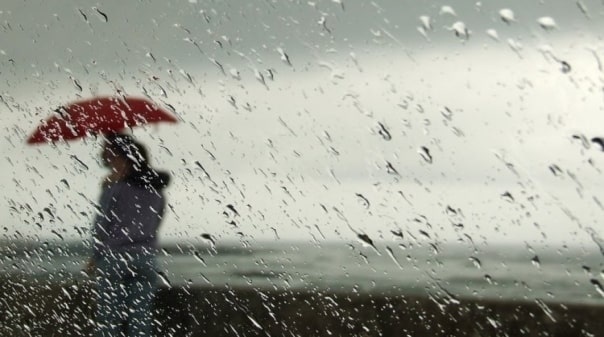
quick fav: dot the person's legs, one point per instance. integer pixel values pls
(110, 298)
(141, 295)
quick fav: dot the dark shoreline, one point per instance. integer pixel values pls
(45, 309)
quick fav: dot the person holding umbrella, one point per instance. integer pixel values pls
(125, 230)
(130, 209)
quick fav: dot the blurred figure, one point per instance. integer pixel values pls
(125, 238)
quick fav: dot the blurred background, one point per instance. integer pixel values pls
(415, 142)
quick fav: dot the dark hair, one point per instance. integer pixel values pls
(126, 147)
(135, 153)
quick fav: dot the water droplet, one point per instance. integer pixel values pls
(83, 15)
(547, 23)
(507, 15)
(535, 261)
(339, 2)
(199, 258)
(458, 132)
(424, 152)
(492, 33)
(232, 101)
(422, 31)
(476, 262)
(555, 169)
(284, 56)
(186, 75)
(232, 209)
(458, 226)
(76, 83)
(57, 234)
(366, 240)
(383, 131)
(460, 30)
(65, 183)
(398, 233)
(323, 23)
(80, 163)
(447, 113)
(515, 45)
(49, 212)
(390, 169)
(598, 286)
(259, 77)
(546, 309)
(426, 22)
(256, 324)
(209, 238)
(584, 142)
(235, 74)
(451, 211)
(599, 141)
(507, 196)
(583, 9)
(164, 279)
(447, 10)
(393, 257)
(217, 64)
(363, 200)
(101, 14)
(488, 278)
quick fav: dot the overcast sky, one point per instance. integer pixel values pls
(297, 109)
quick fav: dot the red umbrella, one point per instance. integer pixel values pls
(99, 115)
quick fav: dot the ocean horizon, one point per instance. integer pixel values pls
(442, 271)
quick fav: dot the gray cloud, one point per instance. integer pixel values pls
(310, 135)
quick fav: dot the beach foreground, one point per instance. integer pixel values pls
(30, 308)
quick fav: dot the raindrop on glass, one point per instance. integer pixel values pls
(598, 141)
(447, 113)
(383, 131)
(363, 200)
(492, 33)
(426, 22)
(547, 23)
(101, 14)
(235, 74)
(367, 241)
(447, 10)
(164, 279)
(488, 278)
(507, 196)
(451, 211)
(460, 30)
(555, 169)
(390, 169)
(536, 261)
(598, 286)
(76, 83)
(284, 56)
(424, 152)
(476, 262)
(507, 15)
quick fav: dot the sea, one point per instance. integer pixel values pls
(450, 271)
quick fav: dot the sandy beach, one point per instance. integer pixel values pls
(30, 308)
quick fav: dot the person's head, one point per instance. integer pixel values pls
(121, 152)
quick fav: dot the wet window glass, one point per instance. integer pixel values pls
(304, 168)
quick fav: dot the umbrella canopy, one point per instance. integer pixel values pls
(99, 115)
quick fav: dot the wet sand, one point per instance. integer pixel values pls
(46, 309)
